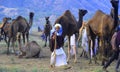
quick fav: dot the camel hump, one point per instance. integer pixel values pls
(67, 13)
(69, 16)
(99, 12)
(34, 42)
(31, 43)
(19, 17)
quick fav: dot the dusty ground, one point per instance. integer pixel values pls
(11, 63)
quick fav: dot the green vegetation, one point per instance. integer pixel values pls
(17, 69)
(14, 69)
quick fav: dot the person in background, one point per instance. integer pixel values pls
(73, 47)
(84, 43)
(58, 56)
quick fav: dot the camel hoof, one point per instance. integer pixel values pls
(19, 56)
(8, 53)
(97, 63)
(90, 62)
(68, 62)
(75, 61)
(67, 67)
(44, 45)
(52, 66)
(104, 69)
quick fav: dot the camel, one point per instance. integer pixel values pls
(5, 27)
(103, 26)
(21, 26)
(70, 25)
(47, 29)
(30, 50)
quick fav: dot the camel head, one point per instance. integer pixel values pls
(31, 14)
(115, 3)
(115, 6)
(47, 19)
(82, 12)
(5, 19)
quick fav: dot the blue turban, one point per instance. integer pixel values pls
(59, 33)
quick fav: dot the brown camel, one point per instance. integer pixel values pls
(21, 26)
(5, 28)
(102, 25)
(70, 25)
(30, 50)
(47, 29)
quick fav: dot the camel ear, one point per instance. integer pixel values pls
(48, 17)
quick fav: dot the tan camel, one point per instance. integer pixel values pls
(30, 50)
(5, 28)
(103, 26)
(100, 25)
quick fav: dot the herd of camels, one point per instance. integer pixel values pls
(101, 25)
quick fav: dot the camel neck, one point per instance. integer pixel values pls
(80, 22)
(115, 5)
(30, 22)
(48, 22)
(116, 16)
(4, 23)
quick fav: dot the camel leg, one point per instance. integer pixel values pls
(86, 56)
(102, 50)
(68, 49)
(74, 50)
(82, 53)
(93, 50)
(105, 52)
(27, 36)
(5, 39)
(49, 40)
(23, 37)
(13, 44)
(45, 41)
(89, 41)
(19, 42)
(8, 46)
